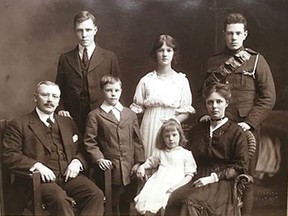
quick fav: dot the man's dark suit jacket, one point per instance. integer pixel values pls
(69, 78)
(25, 142)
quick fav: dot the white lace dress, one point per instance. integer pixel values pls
(160, 98)
(172, 165)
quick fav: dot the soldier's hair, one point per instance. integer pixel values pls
(109, 79)
(233, 18)
(223, 89)
(170, 125)
(83, 16)
(158, 43)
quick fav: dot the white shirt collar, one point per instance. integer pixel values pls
(90, 49)
(43, 116)
(107, 107)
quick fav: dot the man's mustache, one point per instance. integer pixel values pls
(49, 104)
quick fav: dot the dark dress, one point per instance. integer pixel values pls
(225, 154)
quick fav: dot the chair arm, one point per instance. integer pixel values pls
(36, 181)
(240, 183)
(22, 173)
(108, 192)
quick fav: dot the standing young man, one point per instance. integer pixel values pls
(80, 70)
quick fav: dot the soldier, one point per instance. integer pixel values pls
(252, 85)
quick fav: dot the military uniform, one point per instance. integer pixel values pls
(252, 85)
(253, 94)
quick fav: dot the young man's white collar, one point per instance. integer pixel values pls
(43, 116)
(107, 107)
(90, 49)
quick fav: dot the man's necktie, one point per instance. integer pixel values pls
(50, 123)
(85, 59)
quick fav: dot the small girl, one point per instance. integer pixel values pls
(176, 167)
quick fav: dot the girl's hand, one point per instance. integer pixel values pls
(134, 169)
(141, 172)
(170, 190)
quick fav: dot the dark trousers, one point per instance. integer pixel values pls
(122, 196)
(80, 119)
(57, 197)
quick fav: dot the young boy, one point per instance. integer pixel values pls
(112, 140)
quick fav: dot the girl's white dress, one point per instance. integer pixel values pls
(173, 165)
(160, 98)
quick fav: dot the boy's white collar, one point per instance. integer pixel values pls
(107, 107)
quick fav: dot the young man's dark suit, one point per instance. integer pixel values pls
(70, 80)
(25, 143)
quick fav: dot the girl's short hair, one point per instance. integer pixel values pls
(170, 125)
(170, 41)
(221, 88)
(109, 79)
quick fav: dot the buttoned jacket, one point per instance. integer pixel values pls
(25, 142)
(252, 87)
(119, 142)
(70, 79)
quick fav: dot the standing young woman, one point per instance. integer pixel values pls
(162, 93)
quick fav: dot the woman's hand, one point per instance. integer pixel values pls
(206, 180)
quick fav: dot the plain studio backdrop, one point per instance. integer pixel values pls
(35, 32)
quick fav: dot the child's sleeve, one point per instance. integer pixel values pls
(190, 166)
(153, 161)
(90, 138)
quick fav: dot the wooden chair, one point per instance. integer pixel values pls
(242, 180)
(36, 207)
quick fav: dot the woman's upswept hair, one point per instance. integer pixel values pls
(170, 41)
(170, 125)
(221, 88)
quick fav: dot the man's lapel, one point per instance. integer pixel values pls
(73, 59)
(37, 128)
(96, 58)
(66, 135)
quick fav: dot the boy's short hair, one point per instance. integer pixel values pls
(109, 79)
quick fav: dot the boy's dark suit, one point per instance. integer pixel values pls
(118, 142)
(25, 143)
(70, 80)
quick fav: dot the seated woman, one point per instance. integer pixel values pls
(220, 150)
